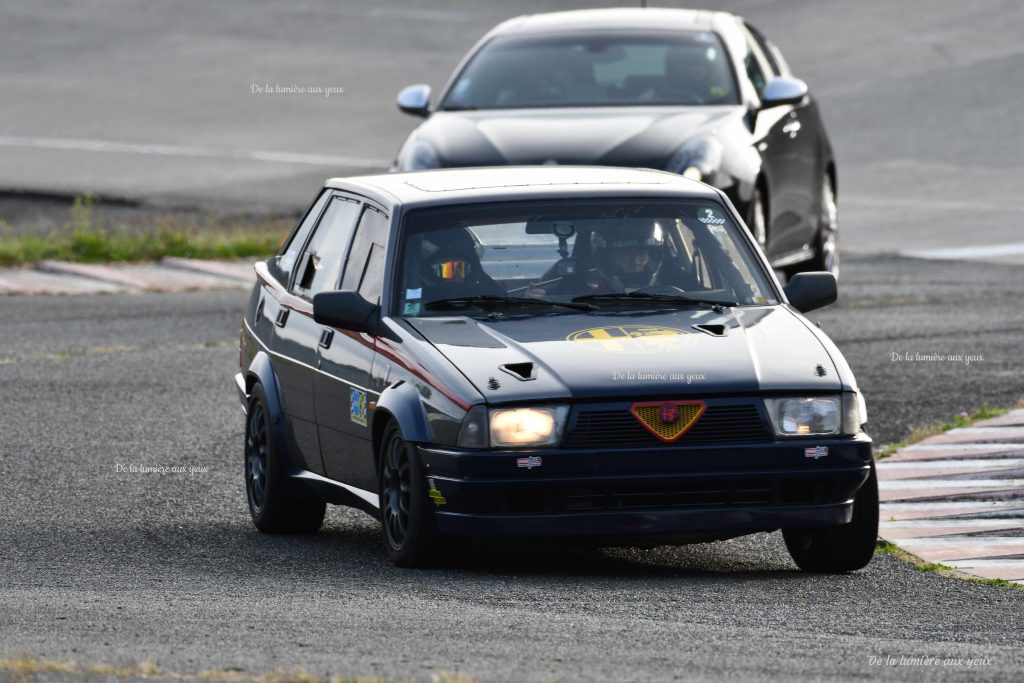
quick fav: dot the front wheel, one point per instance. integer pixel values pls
(841, 548)
(410, 537)
(759, 220)
(826, 255)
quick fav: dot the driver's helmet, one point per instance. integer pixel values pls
(449, 257)
(631, 251)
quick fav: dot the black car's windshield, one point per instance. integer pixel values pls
(634, 68)
(609, 254)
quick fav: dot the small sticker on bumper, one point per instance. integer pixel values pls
(436, 495)
(816, 452)
(529, 463)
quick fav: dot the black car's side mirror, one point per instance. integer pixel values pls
(808, 291)
(783, 90)
(414, 100)
(347, 310)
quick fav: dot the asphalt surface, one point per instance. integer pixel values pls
(112, 567)
(155, 101)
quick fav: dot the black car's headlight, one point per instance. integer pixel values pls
(418, 156)
(817, 415)
(698, 158)
(513, 427)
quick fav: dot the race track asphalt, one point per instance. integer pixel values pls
(102, 567)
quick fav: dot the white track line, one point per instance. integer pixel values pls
(110, 146)
(963, 253)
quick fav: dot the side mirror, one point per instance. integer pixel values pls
(414, 100)
(808, 291)
(783, 90)
(347, 310)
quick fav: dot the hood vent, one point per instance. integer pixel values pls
(713, 330)
(521, 371)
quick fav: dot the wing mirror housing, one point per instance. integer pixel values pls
(783, 90)
(347, 310)
(808, 291)
(415, 100)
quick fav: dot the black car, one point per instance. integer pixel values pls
(702, 94)
(580, 353)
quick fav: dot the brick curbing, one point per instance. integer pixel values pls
(957, 498)
(168, 275)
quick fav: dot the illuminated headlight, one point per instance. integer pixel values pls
(512, 427)
(527, 426)
(812, 416)
(698, 158)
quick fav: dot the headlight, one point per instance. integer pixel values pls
(419, 156)
(527, 426)
(698, 158)
(512, 427)
(816, 416)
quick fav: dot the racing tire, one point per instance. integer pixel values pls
(826, 248)
(277, 505)
(841, 548)
(410, 535)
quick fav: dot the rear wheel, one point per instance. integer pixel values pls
(410, 537)
(276, 505)
(841, 548)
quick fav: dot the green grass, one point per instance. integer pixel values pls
(887, 548)
(86, 240)
(964, 419)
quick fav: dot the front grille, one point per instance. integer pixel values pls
(720, 424)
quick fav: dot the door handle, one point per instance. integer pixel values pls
(792, 128)
(326, 337)
(282, 317)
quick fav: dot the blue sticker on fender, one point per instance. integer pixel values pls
(357, 407)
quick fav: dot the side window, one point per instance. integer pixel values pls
(769, 51)
(754, 73)
(286, 261)
(373, 275)
(322, 261)
(372, 231)
(757, 68)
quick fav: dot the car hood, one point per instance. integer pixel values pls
(610, 136)
(634, 354)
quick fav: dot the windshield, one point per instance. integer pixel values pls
(654, 250)
(678, 68)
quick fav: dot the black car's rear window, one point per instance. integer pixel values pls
(600, 69)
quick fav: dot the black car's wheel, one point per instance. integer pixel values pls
(826, 256)
(277, 506)
(841, 548)
(758, 221)
(410, 537)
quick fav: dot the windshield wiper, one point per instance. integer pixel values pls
(488, 301)
(634, 297)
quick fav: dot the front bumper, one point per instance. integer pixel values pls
(657, 492)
